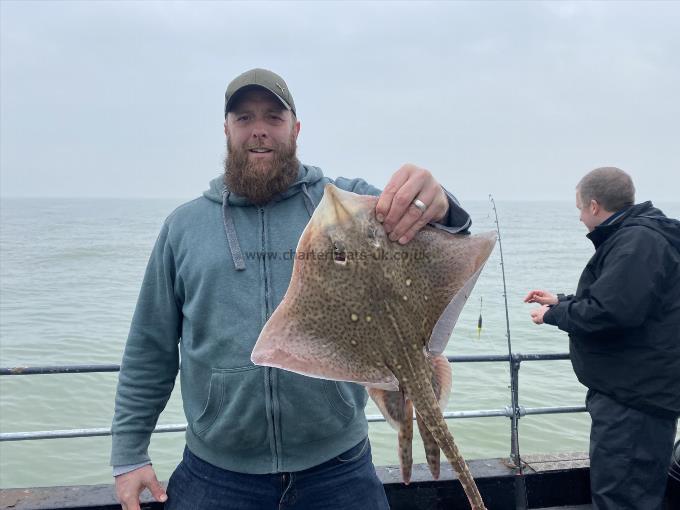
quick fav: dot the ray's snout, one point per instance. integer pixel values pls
(338, 206)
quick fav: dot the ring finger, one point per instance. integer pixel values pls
(414, 219)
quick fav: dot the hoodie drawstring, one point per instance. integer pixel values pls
(230, 229)
(309, 203)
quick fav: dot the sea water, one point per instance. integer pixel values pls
(70, 271)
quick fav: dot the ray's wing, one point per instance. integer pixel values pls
(444, 327)
(477, 248)
(288, 341)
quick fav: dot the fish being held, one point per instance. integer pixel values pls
(364, 309)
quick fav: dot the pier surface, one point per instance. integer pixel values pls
(553, 482)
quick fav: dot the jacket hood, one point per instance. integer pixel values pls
(307, 175)
(646, 215)
(649, 216)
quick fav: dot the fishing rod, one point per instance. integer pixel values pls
(520, 483)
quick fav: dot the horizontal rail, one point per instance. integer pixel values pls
(71, 433)
(480, 358)
(95, 432)
(374, 418)
(551, 410)
(82, 369)
(64, 369)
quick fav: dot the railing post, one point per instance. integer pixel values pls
(514, 405)
(520, 486)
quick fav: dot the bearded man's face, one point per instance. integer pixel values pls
(261, 157)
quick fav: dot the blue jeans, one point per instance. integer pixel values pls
(347, 482)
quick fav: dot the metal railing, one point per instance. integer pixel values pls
(512, 411)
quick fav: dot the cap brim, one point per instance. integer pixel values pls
(232, 98)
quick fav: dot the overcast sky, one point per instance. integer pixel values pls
(125, 99)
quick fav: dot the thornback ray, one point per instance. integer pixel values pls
(364, 309)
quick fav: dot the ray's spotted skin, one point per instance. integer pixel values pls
(364, 309)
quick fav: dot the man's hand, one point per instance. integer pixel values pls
(395, 209)
(541, 297)
(130, 485)
(538, 313)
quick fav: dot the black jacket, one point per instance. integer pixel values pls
(624, 320)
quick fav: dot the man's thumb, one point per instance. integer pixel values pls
(157, 490)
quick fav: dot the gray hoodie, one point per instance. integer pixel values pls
(219, 268)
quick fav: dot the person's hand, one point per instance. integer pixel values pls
(395, 209)
(538, 313)
(541, 297)
(130, 485)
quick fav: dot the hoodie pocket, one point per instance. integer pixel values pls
(313, 409)
(342, 402)
(234, 416)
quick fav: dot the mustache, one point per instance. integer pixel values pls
(260, 144)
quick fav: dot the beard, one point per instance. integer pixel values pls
(261, 180)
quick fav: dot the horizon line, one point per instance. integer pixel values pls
(178, 198)
(141, 197)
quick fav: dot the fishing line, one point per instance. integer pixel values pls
(520, 484)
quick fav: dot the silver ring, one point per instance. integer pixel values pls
(420, 205)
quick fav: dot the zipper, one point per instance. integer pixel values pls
(268, 370)
(264, 265)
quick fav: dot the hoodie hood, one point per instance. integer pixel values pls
(307, 175)
(645, 215)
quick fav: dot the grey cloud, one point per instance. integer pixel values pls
(515, 99)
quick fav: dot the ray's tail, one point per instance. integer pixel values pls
(428, 410)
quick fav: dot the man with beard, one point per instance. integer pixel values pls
(624, 339)
(257, 437)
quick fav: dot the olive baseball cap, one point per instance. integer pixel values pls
(259, 78)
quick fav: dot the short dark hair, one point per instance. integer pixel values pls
(609, 186)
